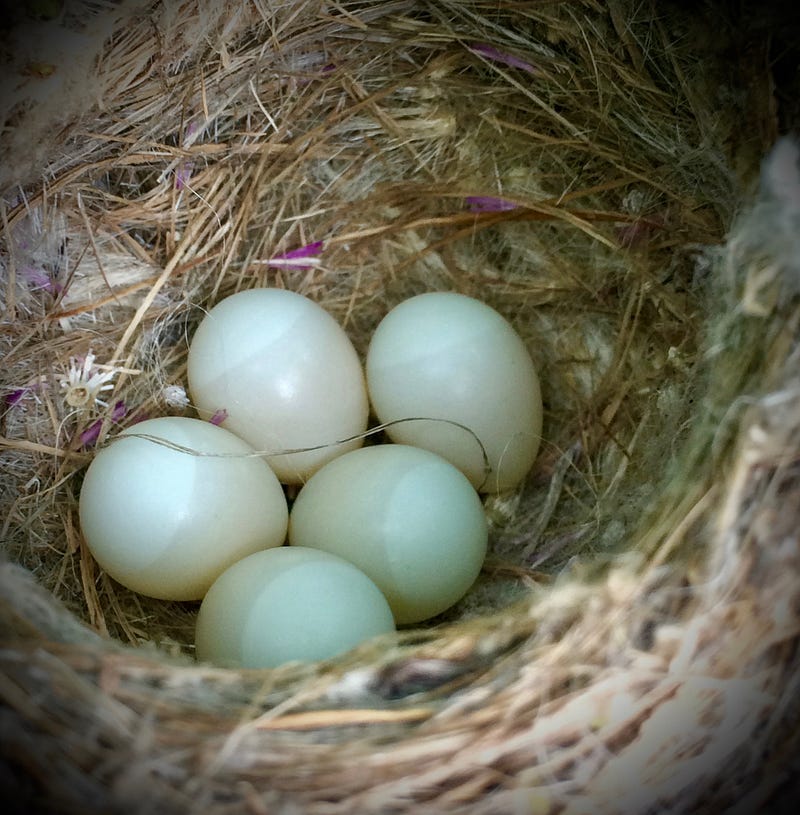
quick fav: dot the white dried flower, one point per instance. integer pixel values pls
(174, 396)
(82, 385)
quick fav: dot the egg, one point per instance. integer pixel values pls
(285, 376)
(406, 517)
(171, 502)
(445, 356)
(288, 604)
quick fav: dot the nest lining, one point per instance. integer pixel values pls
(621, 628)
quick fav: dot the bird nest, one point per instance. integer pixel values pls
(586, 169)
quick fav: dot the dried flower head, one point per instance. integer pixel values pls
(83, 382)
(174, 396)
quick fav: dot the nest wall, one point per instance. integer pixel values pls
(592, 171)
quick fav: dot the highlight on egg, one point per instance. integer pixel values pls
(442, 359)
(285, 605)
(285, 374)
(406, 517)
(171, 502)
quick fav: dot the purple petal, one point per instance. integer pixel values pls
(39, 279)
(307, 251)
(92, 433)
(488, 203)
(219, 417)
(15, 396)
(34, 276)
(183, 174)
(490, 52)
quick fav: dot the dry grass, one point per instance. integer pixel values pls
(637, 617)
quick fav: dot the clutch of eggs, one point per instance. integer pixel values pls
(286, 375)
(182, 509)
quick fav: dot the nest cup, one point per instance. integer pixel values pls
(592, 171)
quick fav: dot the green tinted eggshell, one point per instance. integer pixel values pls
(286, 375)
(443, 355)
(405, 516)
(165, 522)
(288, 604)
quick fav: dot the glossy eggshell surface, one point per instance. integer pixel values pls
(166, 523)
(443, 355)
(406, 517)
(285, 373)
(285, 605)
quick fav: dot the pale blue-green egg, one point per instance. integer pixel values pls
(452, 358)
(406, 517)
(171, 502)
(288, 604)
(286, 376)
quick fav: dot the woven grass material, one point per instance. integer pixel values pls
(632, 642)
